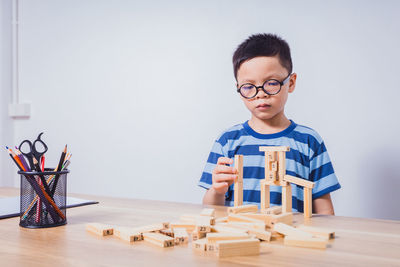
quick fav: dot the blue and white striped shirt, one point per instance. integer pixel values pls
(307, 159)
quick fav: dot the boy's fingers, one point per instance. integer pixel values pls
(224, 160)
(224, 169)
(220, 185)
(224, 178)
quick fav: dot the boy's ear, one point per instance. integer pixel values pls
(292, 82)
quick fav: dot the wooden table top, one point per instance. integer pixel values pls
(358, 242)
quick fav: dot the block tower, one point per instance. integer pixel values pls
(275, 174)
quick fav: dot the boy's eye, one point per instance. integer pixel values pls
(272, 83)
(247, 87)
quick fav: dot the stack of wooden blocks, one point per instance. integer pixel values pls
(238, 234)
(241, 232)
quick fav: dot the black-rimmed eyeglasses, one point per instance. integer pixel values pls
(270, 87)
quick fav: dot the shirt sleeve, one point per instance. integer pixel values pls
(322, 173)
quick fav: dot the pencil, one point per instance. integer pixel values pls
(59, 167)
(37, 167)
(22, 158)
(39, 202)
(17, 162)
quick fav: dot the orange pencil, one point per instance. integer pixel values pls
(16, 158)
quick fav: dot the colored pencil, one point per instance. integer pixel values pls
(16, 159)
(59, 167)
(19, 164)
(39, 202)
(46, 186)
(22, 158)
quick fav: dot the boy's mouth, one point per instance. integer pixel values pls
(263, 106)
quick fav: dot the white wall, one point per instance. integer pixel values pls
(7, 172)
(140, 90)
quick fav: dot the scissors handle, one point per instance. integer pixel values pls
(32, 151)
(26, 152)
(36, 153)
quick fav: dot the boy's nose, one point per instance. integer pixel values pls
(261, 94)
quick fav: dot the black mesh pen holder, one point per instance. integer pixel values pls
(43, 198)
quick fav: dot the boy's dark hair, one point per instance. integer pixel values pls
(259, 45)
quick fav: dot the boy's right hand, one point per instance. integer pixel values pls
(223, 176)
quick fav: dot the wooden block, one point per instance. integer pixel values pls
(200, 244)
(211, 247)
(238, 185)
(276, 236)
(247, 225)
(221, 219)
(159, 239)
(260, 234)
(243, 218)
(287, 198)
(181, 236)
(150, 227)
(298, 181)
(203, 229)
(271, 155)
(286, 218)
(189, 226)
(243, 208)
(197, 235)
(307, 201)
(265, 196)
(281, 165)
(274, 148)
(227, 229)
(229, 249)
(277, 183)
(318, 232)
(310, 242)
(271, 176)
(203, 224)
(213, 237)
(208, 212)
(288, 230)
(99, 229)
(127, 234)
(241, 243)
(266, 219)
(170, 232)
(250, 251)
(274, 210)
(273, 166)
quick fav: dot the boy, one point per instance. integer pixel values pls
(263, 70)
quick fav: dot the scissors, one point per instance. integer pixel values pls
(32, 150)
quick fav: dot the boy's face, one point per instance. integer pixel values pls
(256, 71)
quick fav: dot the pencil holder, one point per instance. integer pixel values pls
(43, 198)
